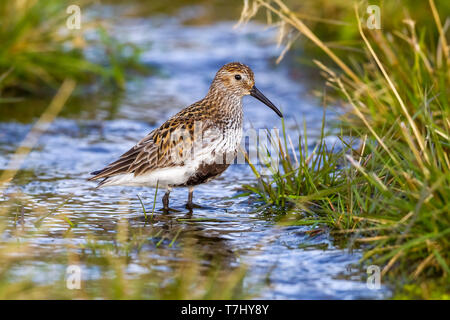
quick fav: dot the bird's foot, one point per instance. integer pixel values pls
(191, 206)
(170, 210)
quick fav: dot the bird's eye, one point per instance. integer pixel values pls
(238, 77)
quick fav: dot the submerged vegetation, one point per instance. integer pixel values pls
(391, 192)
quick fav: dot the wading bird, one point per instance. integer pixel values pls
(195, 145)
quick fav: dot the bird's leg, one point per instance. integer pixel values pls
(189, 204)
(165, 199)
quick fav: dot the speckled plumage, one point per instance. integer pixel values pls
(193, 146)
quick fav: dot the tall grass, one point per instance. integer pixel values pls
(393, 192)
(38, 51)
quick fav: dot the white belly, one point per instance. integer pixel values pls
(162, 178)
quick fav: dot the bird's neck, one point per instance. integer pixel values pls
(225, 105)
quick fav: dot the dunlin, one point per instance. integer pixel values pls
(195, 145)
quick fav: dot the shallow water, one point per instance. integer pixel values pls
(94, 132)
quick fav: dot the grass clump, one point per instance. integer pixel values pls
(38, 51)
(393, 190)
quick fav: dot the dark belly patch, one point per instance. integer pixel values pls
(206, 172)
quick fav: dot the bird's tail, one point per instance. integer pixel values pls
(95, 177)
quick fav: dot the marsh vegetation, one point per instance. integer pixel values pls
(388, 186)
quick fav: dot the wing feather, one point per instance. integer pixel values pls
(159, 149)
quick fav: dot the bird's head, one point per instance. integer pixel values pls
(237, 79)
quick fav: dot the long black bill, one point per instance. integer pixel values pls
(254, 92)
